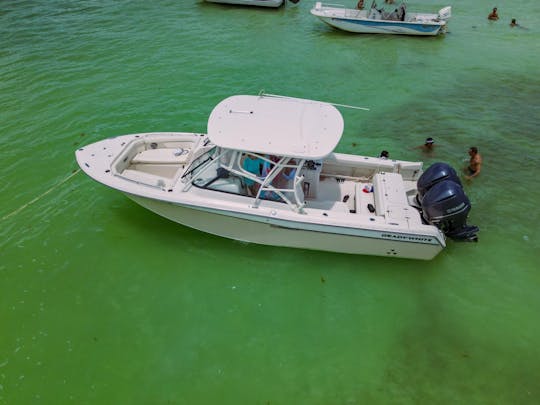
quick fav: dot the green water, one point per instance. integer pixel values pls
(104, 302)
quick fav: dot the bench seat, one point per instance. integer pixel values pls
(162, 156)
(144, 178)
(391, 198)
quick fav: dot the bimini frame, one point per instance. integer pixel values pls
(234, 165)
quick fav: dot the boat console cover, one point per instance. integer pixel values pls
(272, 125)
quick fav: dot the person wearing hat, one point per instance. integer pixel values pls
(428, 147)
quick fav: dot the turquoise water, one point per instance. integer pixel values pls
(102, 301)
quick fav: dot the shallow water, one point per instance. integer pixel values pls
(102, 301)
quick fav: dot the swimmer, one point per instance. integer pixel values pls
(475, 163)
(428, 147)
(514, 23)
(493, 15)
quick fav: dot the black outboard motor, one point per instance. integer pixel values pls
(436, 173)
(444, 203)
(446, 206)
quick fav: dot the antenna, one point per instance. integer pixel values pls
(263, 94)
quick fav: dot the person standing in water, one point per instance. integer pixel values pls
(475, 163)
(493, 15)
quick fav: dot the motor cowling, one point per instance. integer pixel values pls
(446, 206)
(445, 13)
(436, 173)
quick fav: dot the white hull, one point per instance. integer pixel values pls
(259, 3)
(270, 232)
(323, 224)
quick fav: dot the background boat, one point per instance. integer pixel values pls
(375, 20)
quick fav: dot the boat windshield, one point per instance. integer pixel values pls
(262, 177)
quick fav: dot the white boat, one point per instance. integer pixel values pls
(378, 21)
(260, 3)
(267, 173)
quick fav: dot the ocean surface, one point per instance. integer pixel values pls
(103, 302)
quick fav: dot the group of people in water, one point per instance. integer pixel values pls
(494, 16)
(470, 171)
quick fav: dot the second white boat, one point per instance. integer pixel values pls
(379, 21)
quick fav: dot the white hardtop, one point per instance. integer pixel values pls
(276, 125)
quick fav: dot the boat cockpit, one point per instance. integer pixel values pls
(263, 177)
(381, 14)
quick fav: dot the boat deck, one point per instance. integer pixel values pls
(386, 194)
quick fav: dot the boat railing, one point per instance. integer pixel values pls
(267, 185)
(231, 161)
(343, 11)
(329, 5)
(266, 182)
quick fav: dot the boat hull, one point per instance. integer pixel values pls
(382, 27)
(266, 231)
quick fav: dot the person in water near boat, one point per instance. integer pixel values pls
(493, 15)
(475, 163)
(514, 23)
(428, 146)
(384, 155)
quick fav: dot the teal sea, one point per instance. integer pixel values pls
(103, 302)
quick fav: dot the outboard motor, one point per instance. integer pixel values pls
(436, 173)
(446, 206)
(445, 13)
(444, 203)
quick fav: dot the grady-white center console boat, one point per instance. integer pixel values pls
(267, 173)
